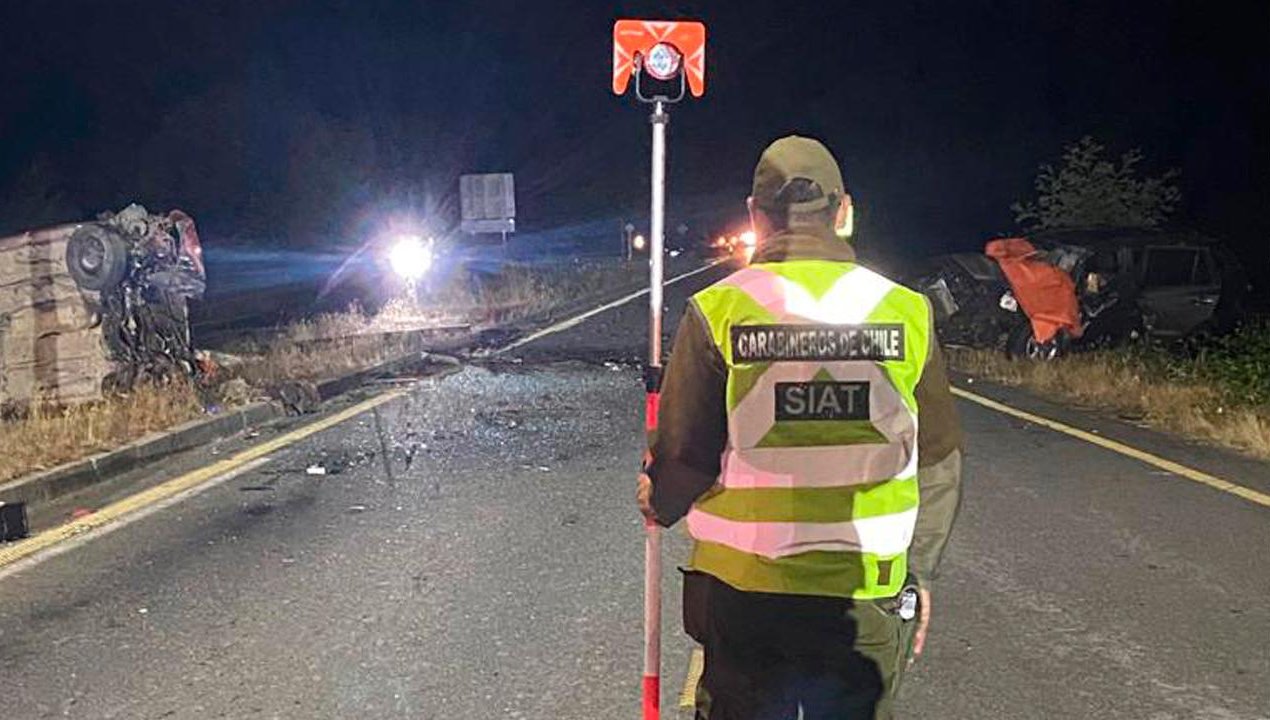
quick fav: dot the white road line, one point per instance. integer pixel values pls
(98, 532)
(577, 320)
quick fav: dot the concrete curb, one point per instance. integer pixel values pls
(335, 387)
(70, 477)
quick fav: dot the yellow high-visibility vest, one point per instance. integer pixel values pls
(818, 490)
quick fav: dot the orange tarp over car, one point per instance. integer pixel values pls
(1046, 293)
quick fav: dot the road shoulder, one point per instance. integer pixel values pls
(1209, 459)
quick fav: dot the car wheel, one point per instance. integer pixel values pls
(1023, 345)
(97, 258)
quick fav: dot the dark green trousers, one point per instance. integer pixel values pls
(769, 656)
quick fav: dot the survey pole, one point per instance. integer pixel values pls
(668, 52)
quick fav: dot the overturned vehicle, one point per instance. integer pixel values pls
(90, 307)
(1064, 290)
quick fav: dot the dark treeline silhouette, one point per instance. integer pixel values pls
(299, 125)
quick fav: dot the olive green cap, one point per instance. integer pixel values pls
(794, 157)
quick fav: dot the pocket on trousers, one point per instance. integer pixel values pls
(696, 604)
(875, 625)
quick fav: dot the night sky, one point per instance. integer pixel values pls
(293, 123)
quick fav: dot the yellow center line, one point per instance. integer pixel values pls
(10, 554)
(1191, 474)
(69, 544)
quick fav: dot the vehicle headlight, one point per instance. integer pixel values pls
(411, 256)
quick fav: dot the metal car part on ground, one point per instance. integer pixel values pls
(1167, 286)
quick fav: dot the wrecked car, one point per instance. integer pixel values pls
(90, 307)
(1064, 290)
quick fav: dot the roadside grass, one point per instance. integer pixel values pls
(527, 290)
(1219, 394)
(47, 435)
(517, 292)
(325, 358)
(314, 349)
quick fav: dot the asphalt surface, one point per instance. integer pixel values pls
(495, 570)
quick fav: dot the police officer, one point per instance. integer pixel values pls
(788, 438)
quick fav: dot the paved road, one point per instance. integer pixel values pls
(497, 574)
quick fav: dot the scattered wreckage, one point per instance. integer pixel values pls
(1067, 290)
(90, 307)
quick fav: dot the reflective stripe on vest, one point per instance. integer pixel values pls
(818, 489)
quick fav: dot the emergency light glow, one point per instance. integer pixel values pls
(663, 61)
(411, 257)
(749, 242)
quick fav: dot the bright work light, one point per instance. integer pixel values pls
(411, 256)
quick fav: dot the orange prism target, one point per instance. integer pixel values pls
(636, 38)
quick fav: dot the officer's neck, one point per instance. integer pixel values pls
(804, 243)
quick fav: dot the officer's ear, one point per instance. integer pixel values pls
(844, 221)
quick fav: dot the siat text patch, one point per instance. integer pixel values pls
(822, 400)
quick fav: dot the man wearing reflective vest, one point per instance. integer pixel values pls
(789, 439)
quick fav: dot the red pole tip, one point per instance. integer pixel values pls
(652, 697)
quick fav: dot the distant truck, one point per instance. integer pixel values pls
(94, 306)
